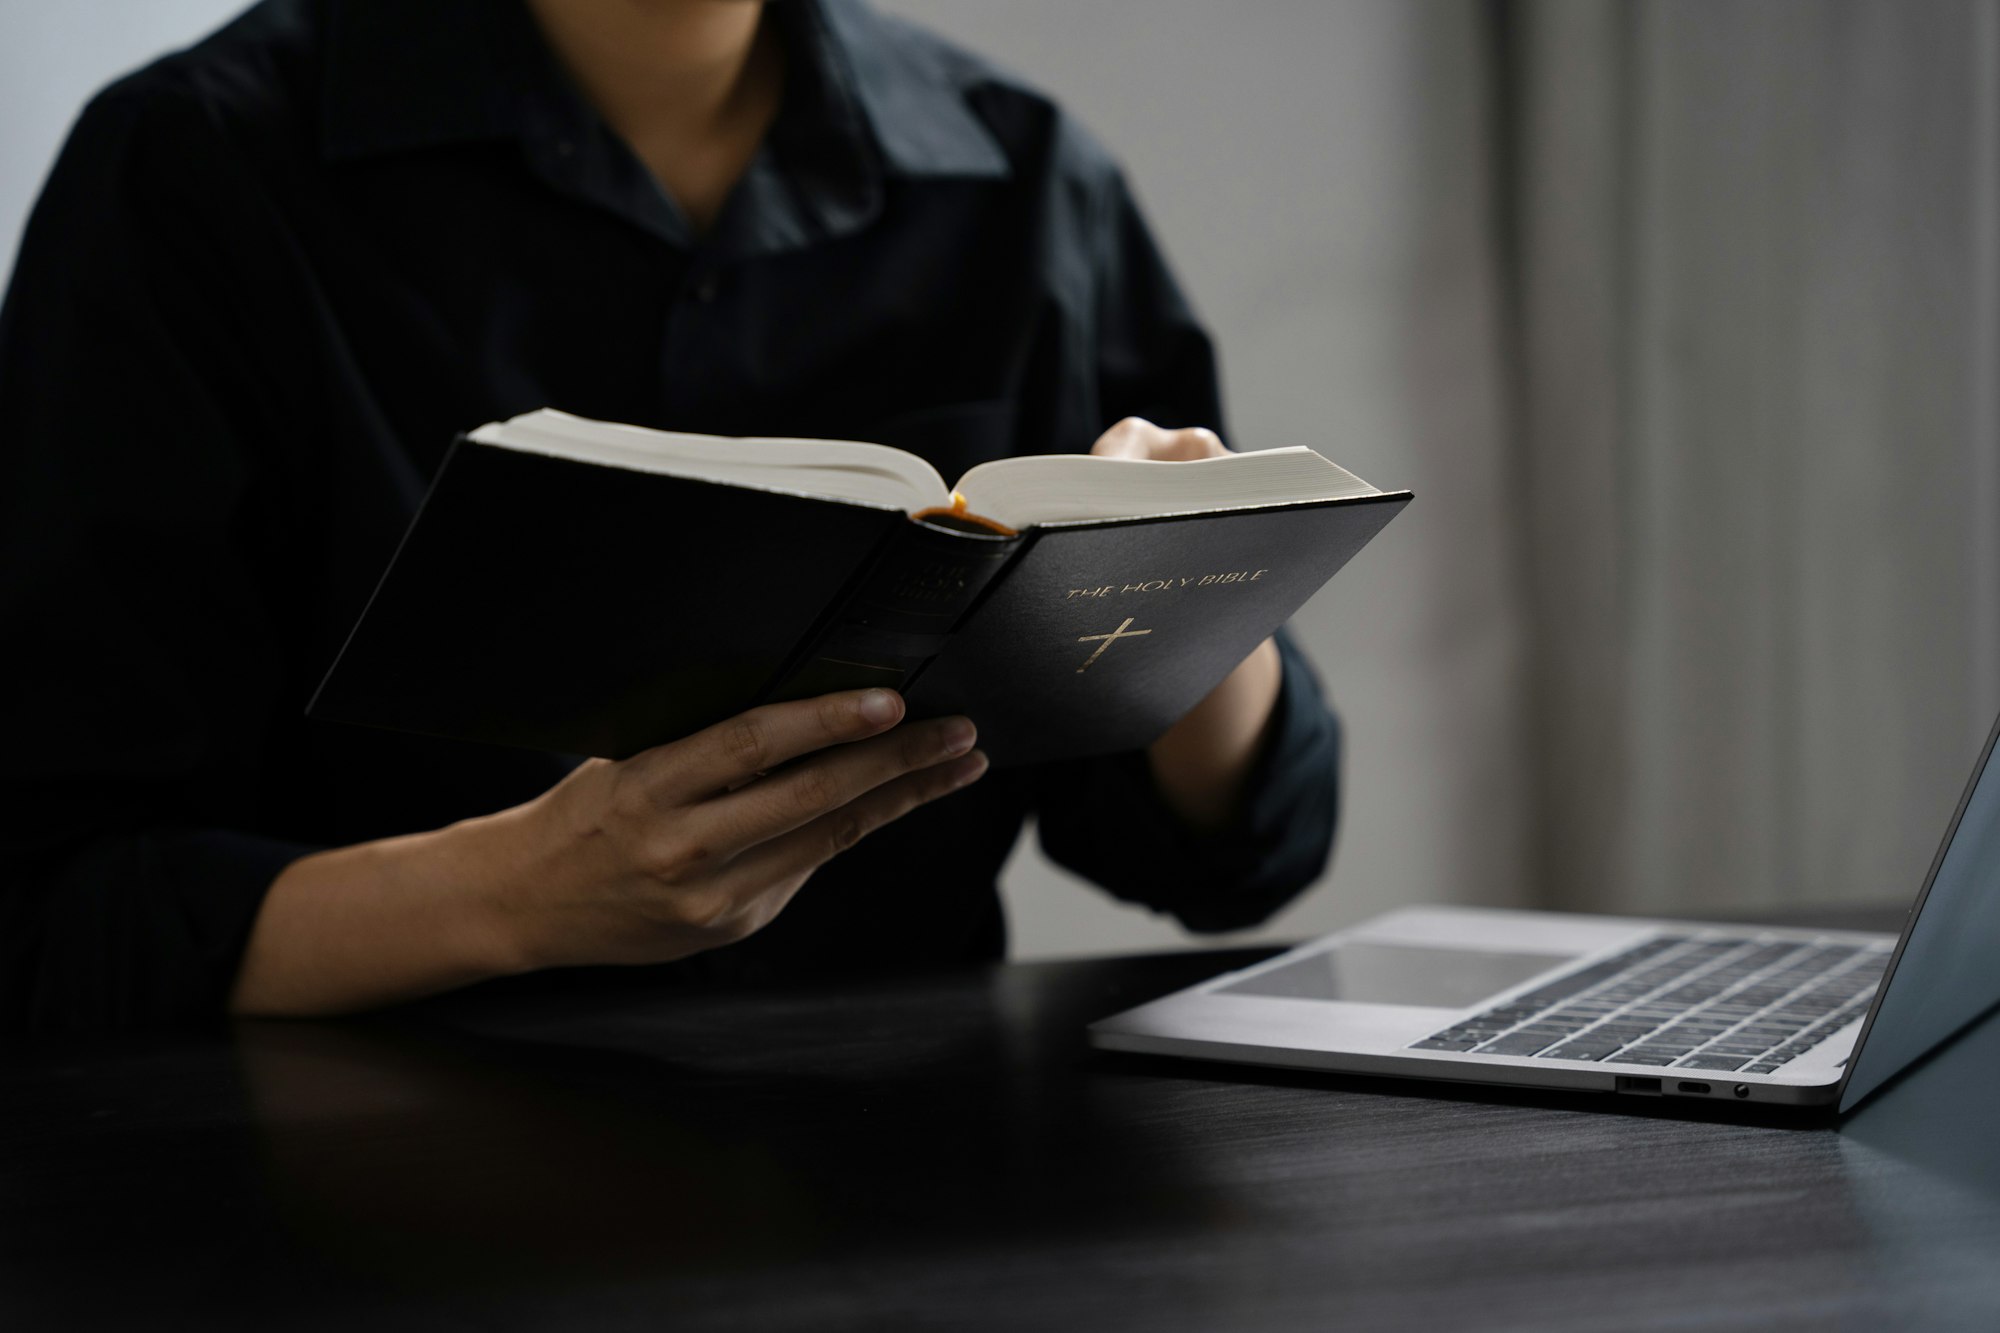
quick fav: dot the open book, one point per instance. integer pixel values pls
(1010, 493)
(593, 588)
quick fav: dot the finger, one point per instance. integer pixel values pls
(1136, 437)
(798, 853)
(1184, 446)
(1130, 438)
(776, 805)
(733, 751)
(1196, 442)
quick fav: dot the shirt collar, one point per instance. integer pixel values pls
(861, 89)
(913, 91)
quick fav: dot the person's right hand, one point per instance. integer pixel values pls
(703, 841)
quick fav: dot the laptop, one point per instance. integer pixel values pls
(1620, 1005)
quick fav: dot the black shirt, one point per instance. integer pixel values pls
(269, 279)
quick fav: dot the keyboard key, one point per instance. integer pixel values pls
(1647, 1053)
(1521, 1043)
(1584, 1048)
(1712, 1062)
(1440, 1044)
(1679, 1037)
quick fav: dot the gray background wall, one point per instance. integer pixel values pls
(1569, 271)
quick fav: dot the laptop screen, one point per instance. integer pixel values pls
(1946, 971)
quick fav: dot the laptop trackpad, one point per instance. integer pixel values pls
(1372, 973)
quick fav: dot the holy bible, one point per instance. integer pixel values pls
(598, 589)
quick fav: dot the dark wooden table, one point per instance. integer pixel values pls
(940, 1152)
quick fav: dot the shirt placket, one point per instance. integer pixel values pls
(691, 350)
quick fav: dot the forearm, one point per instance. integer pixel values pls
(381, 922)
(689, 846)
(1200, 765)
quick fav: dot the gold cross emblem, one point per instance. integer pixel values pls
(1122, 632)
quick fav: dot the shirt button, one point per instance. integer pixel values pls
(704, 287)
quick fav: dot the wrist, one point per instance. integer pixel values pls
(1201, 764)
(504, 868)
(381, 922)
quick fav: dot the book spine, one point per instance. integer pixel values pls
(898, 614)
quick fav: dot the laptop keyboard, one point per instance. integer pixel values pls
(1689, 1001)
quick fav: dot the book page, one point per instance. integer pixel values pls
(848, 470)
(1058, 488)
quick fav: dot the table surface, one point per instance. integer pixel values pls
(942, 1152)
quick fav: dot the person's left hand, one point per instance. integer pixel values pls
(1136, 437)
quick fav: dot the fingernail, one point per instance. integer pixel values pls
(877, 706)
(968, 769)
(958, 734)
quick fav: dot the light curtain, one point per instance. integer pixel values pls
(1751, 253)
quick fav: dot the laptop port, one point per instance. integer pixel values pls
(1632, 1083)
(1693, 1087)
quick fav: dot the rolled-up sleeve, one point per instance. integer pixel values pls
(136, 612)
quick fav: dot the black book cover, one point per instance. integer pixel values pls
(1101, 636)
(585, 609)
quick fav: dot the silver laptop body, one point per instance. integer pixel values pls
(1617, 1004)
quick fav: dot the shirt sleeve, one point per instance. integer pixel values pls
(1104, 818)
(134, 587)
